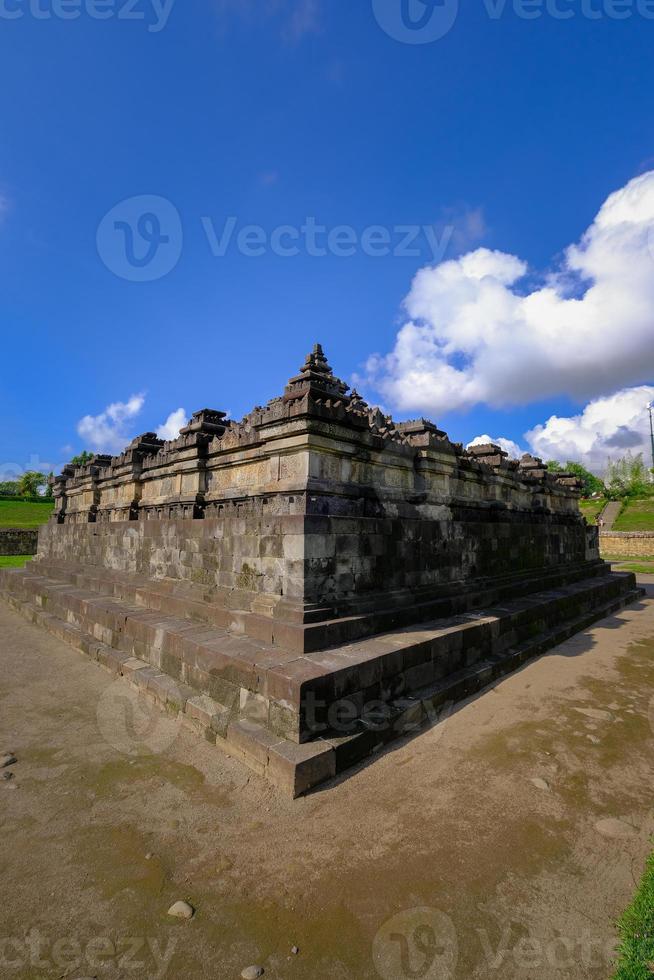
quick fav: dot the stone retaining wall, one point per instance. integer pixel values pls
(18, 541)
(627, 544)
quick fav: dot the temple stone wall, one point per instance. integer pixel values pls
(348, 558)
(18, 541)
(317, 505)
(243, 555)
(315, 559)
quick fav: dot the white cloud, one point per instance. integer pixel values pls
(169, 430)
(508, 445)
(606, 429)
(110, 431)
(476, 334)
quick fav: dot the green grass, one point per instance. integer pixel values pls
(637, 515)
(23, 513)
(591, 508)
(636, 951)
(14, 561)
(639, 567)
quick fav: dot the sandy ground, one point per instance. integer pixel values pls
(439, 859)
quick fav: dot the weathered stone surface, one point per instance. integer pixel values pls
(297, 768)
(627, 544)
(18, 541)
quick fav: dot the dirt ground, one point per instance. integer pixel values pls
(442, 858)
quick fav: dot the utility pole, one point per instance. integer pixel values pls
(650, 409)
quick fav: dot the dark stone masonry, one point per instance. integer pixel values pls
(311, 582)
(18, 541)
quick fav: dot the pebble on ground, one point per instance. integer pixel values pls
(252, 972)
(181, 910)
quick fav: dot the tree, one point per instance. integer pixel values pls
(590, 483)
(82, 459)
(628, 476)
(31, 482)
(48, 487)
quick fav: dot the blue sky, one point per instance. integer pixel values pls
(506, 134)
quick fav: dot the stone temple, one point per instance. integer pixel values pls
(307, 584)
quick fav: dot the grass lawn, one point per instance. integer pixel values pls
(636, 951)
(22, 513)
(14, 561)
(639, 566)
(638, 515)
(591, 508)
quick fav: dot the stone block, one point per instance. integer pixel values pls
(298, 768)
(251, 740)
(131, 666)
(143, 677)
(253, 707)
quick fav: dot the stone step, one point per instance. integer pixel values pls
(293, 768)
(297, 697)
(297, 768)
(432, 704)
(212, 661)
(321, 628)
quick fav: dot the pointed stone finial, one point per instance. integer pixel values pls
(316, 376)
(316, 362)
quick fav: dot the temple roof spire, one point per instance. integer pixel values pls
(316, 376)
(316, 361)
